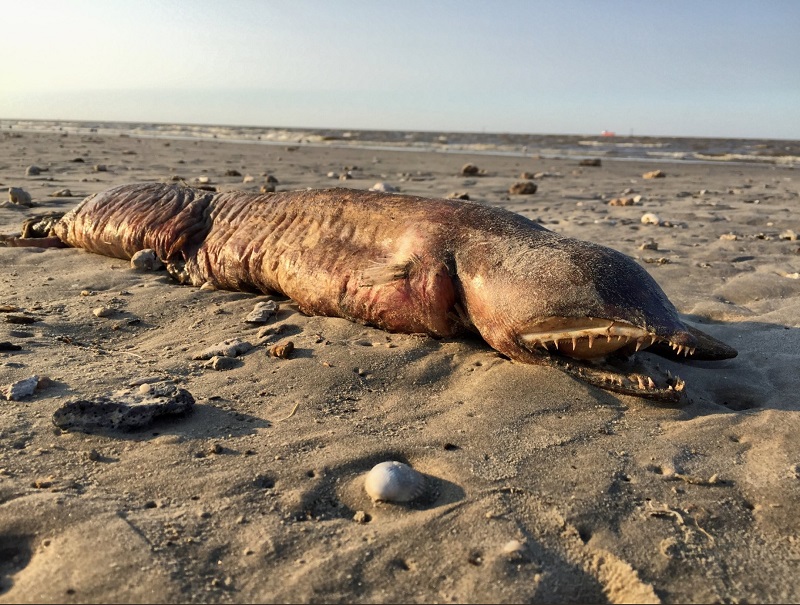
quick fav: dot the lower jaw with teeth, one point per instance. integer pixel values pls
(589, 341)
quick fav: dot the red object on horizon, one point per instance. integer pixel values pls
(608, 133)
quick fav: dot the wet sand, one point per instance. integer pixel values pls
(540, 488)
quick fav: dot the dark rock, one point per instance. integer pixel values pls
(123, 410)
(20, 319)
(523, 188)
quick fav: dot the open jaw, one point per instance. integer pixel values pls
(597, 350)
(590, 337)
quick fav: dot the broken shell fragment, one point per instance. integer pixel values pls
(394, 482)
(262, 312)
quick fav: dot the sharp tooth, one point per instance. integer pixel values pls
(679, 349)
(555, 342)
(653, 339)
(691, 351)
(638, 344)
(574, 343)
(650, 383)
(591, 340)
(641, 382)
(686, 351)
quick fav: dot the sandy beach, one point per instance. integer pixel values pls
(540, 488)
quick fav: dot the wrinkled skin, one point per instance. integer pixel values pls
(407, 264)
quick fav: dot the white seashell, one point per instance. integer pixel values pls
(394, 482)
(383, 188)
(650, 219)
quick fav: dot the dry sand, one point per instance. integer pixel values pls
(541, 488)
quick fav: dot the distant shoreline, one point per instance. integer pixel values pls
(784, 153)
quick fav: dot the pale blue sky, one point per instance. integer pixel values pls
(727, 68)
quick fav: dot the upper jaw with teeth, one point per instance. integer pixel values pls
(589, 338)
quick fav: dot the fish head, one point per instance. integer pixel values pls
(554, 296)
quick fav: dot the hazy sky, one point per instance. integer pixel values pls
(694, 67)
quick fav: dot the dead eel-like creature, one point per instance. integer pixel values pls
(407, 264)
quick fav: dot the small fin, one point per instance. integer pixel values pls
(384, 273)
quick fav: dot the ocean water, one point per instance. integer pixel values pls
(677, 149)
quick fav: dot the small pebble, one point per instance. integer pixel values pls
(100, 168)
(383, 188)
(523, 188)
(221, 363)
(20, 389)
(282, 350)
(469, 170)
(233, 347)
(19, 197)
(621, 201)
(103, 311)
(361, 517)
(262, 312)
(654, 174)
(513, 547)
(650, 219)
(146, 260)
(33, 171)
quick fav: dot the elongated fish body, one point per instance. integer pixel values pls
(403, 264)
